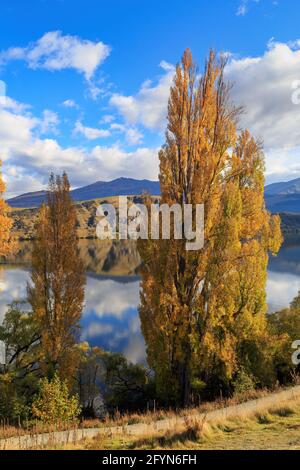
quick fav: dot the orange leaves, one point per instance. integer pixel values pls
(6, 243)
(198, 309)
(56, 292)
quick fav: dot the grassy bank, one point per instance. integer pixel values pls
(277, 427)
(266, 421)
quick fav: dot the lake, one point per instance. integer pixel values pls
(110, 317)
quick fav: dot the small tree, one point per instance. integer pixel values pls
(19, 375)
(54, 403)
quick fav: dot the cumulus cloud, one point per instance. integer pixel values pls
(90, 133)
(132, 135)
(29, 158)
(54, 51)
(264, 86)
(49, 123)
(149, 106)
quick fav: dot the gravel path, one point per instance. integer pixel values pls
(73, 436)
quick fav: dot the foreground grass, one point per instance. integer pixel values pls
(37, 427)
(271, 422)
(276, 428)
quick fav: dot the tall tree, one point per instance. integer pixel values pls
(6, 243)
(199, 308)
(56, 291)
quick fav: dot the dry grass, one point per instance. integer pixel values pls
(191, 428)
(125, 419)
(272, 427)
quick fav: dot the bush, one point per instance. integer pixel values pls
(53, 404)
(243, 382)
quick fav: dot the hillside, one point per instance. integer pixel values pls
(25, 219)
(100, 189)
(283, 197)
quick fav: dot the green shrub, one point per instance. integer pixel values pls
(243, 382)
(54, 404)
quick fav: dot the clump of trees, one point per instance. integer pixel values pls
(123, 386)
(285, 328)
(203, 313)
(46, 367)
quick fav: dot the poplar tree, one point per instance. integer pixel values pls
(6, 242)
(200, 310)
(56, 290)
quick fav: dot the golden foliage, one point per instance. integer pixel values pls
(54, 404)
(56, 291)
(200, 308)
(6, 243)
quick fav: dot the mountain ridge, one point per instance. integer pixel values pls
(281, 197)
(100, 189)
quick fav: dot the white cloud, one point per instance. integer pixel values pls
(28, 159)
(142, 163)
(264, 86)
(90, 133)
(2, 92)
(49, 123)
(149, 106)
(69, 104)
(132, 135)
(243, 7)
(54, 51)
(107, 119)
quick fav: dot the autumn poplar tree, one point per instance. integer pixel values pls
(56, 290)
(6, 243)
(203, 311)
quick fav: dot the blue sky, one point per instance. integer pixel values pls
(87, 82)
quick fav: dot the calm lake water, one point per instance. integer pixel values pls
(110, 317)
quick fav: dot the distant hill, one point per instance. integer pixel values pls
(100, 189)
(285, 188)
(283, 197)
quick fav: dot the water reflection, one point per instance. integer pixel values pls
(110, 318)
(284, 275)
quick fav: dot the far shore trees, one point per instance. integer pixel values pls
(56, 290)
(203, 313)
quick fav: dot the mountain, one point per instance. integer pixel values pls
(280, 197)
(285, 188)
(283, 197)
(33, 199)
(100, 189)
